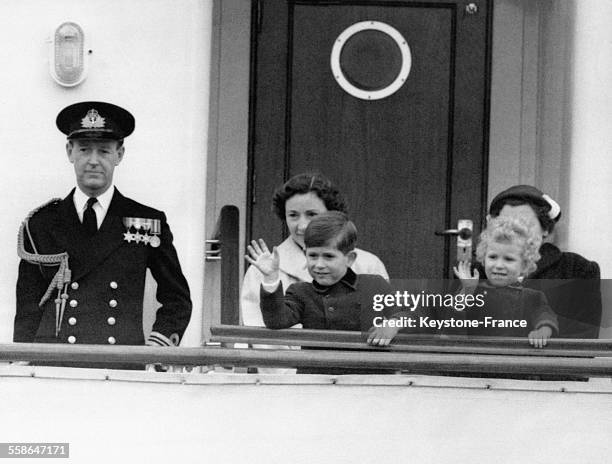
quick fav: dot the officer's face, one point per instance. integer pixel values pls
(94, 162)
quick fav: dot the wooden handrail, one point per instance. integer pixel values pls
(229, 228)
(414, 362)
(225, 248)
(336, 339)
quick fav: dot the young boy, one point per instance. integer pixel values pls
(508, 251)
(337, 299)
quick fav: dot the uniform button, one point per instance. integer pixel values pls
(72, 339)
(74, 285)
(111, 340)
(113, 285)
(111, 321)
(73, 303)
(112, 303)
(331, 309)
(72, 321)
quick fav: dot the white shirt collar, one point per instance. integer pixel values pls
(80, 200)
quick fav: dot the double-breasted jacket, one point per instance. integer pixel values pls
(104, 295)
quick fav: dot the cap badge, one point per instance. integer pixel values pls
(92, 120)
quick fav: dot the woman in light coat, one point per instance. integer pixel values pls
(296, 202)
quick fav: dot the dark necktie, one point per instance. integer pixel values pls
(90, 224)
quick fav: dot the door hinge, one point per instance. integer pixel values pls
(254, 189)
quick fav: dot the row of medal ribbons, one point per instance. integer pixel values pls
(151, 228)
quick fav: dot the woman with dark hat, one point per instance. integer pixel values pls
(570, 281)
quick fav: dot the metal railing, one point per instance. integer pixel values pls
(342, 340)
(375, 359)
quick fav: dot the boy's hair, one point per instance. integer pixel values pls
(511, 230)
(305, 183)
(332, 228)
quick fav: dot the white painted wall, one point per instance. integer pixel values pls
(305, 419)
(149, 56)
(590, 128)
(590, 140)
(551, 117)
(551, 112)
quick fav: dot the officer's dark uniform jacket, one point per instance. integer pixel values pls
(105, 295)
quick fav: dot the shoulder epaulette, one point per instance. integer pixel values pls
(51, 202)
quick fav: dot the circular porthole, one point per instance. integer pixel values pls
(370, 60)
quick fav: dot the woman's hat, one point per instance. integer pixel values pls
(528, 194)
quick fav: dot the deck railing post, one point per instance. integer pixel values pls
(229, 235)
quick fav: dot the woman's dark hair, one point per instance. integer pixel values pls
(304, 183)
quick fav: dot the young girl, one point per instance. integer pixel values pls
(508, 251)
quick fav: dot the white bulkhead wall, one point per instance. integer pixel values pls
(151, 57)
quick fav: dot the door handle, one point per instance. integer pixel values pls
(464, 233)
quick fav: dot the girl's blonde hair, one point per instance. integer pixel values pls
(511, 230)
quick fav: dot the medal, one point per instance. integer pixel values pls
(129, 224)
(155, 231)
(129, 237)
(137, 230)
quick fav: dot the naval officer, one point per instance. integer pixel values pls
(84, 258)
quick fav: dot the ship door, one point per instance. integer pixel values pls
(387, 98)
